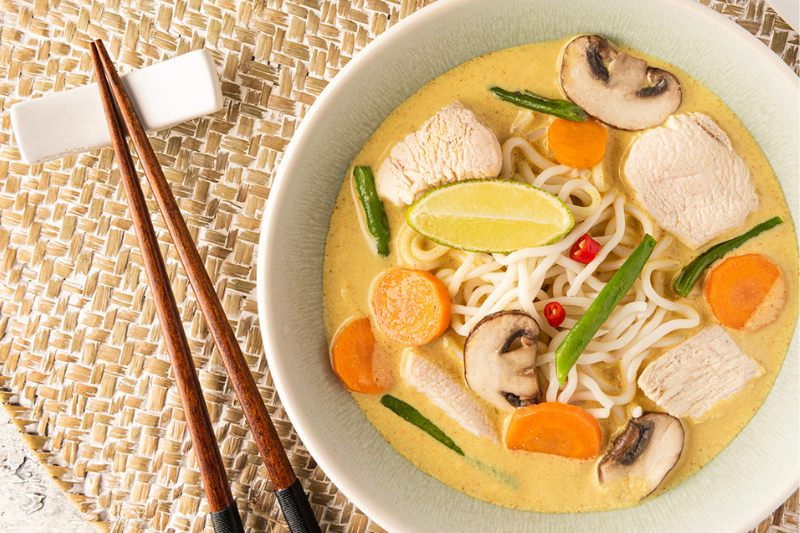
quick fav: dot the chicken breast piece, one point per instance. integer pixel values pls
(703, 370)
(690, 179)
(446, 394)
(450, 146)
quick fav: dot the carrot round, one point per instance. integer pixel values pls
(745, 292)
(555, 428)
(351, 357)
(411, 307)
(577, 144)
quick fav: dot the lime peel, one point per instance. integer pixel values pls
(490, 215)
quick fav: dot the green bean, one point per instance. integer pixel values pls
(410, 414)
(689, 275)
(581, 334)
(377, 223)
(558, 108)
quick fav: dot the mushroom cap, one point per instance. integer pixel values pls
(494, 368)
(617, 89)
(647, 449)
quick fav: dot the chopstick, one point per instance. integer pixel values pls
(204, 442)
(288, 489)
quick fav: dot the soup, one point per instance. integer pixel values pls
(615, 382)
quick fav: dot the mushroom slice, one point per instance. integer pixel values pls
(646, 450)
(495, 368)
(617, 89)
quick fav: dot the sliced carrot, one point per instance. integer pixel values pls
(411, 307)
(745, 292)
(556, 428)
(351, 357)
(577, 144)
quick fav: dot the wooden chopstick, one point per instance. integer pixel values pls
(289, 491)
(201, 431)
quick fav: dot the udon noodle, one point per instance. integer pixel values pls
(481, 283)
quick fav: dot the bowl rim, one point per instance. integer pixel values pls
(281, 184)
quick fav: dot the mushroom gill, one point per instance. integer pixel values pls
(500, 360)
(616, 88)
(647, 449)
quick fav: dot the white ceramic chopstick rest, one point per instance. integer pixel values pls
(73, 121)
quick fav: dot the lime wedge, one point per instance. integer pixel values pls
(495, 216)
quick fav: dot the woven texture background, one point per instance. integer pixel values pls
(82, 369)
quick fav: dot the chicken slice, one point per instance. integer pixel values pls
(450, 146)
(690, 179)
(446, 394)
(703, 370)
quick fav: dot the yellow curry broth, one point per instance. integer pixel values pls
(541, 482)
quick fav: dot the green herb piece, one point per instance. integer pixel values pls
(558, 108)
(377, 223)
(689, 275)
(581, 334)
(498, 474)
(409, 413)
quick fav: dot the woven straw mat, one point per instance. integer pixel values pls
(82, 372)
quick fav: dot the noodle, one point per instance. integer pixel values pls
(480, 284)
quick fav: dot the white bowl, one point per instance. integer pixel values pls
(736, 490)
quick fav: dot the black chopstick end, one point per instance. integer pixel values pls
(227, 520)
(296, 509)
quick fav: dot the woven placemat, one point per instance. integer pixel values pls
(82, 370)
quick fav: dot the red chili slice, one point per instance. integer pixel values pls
(585, 250)
(554, 313)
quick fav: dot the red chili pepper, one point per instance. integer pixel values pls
(585, 250)
(554, 313)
